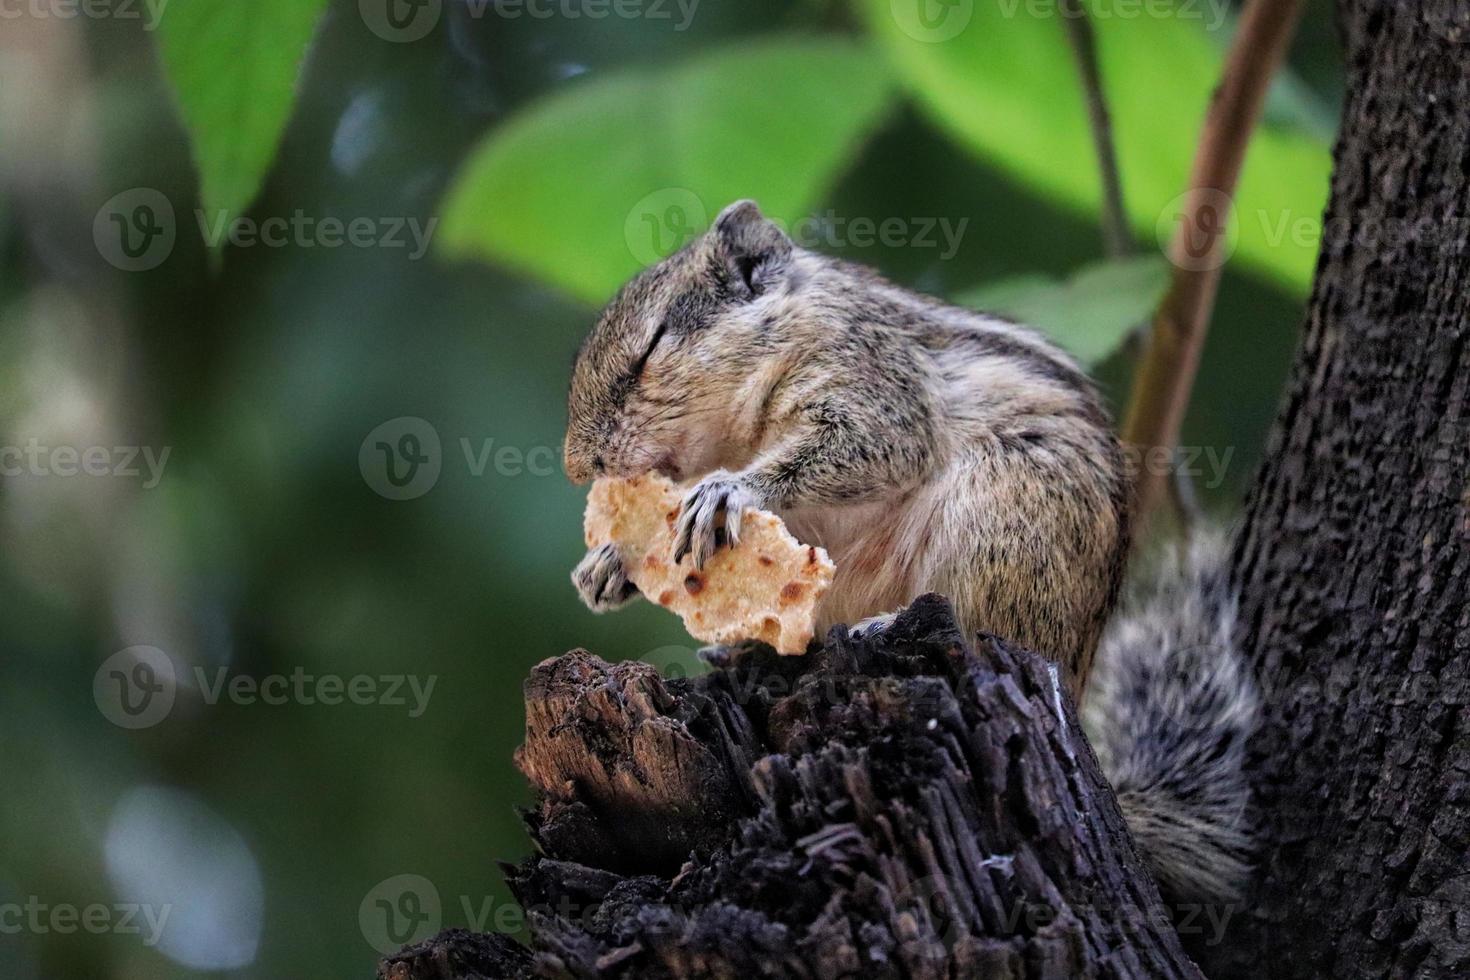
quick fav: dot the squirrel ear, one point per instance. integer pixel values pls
(751, 250)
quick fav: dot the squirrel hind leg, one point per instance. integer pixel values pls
(867, 629)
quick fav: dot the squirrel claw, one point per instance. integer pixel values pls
(699, 532)
(601, 580)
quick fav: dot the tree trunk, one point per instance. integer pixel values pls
(899, 808)
(1354, 566)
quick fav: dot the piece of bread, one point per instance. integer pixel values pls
(765, 588)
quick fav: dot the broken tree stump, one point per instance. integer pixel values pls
(897, 807)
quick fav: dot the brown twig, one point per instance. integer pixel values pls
(1117, 241)
(1170, 361)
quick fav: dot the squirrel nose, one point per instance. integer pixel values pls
(578, 470)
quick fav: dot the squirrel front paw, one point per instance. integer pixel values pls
(699, 531)
(601, 580)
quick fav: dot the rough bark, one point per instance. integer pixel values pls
(1354, 565)
(901, 808)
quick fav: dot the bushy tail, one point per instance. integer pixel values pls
(1169, 709)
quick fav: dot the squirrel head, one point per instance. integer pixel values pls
(660, 375)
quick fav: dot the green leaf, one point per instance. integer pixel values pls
(998, 75)
(1005, 295)
(584, 188)
(233, 66)
(1091, 313)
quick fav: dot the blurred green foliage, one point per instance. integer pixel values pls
(1091, 311)
(1006, 86)
(265, 550)
(234, 67)
(774, 121)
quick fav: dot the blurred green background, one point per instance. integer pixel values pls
(543, 151)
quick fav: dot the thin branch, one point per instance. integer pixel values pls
(1170, 361)
(1117, 241)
